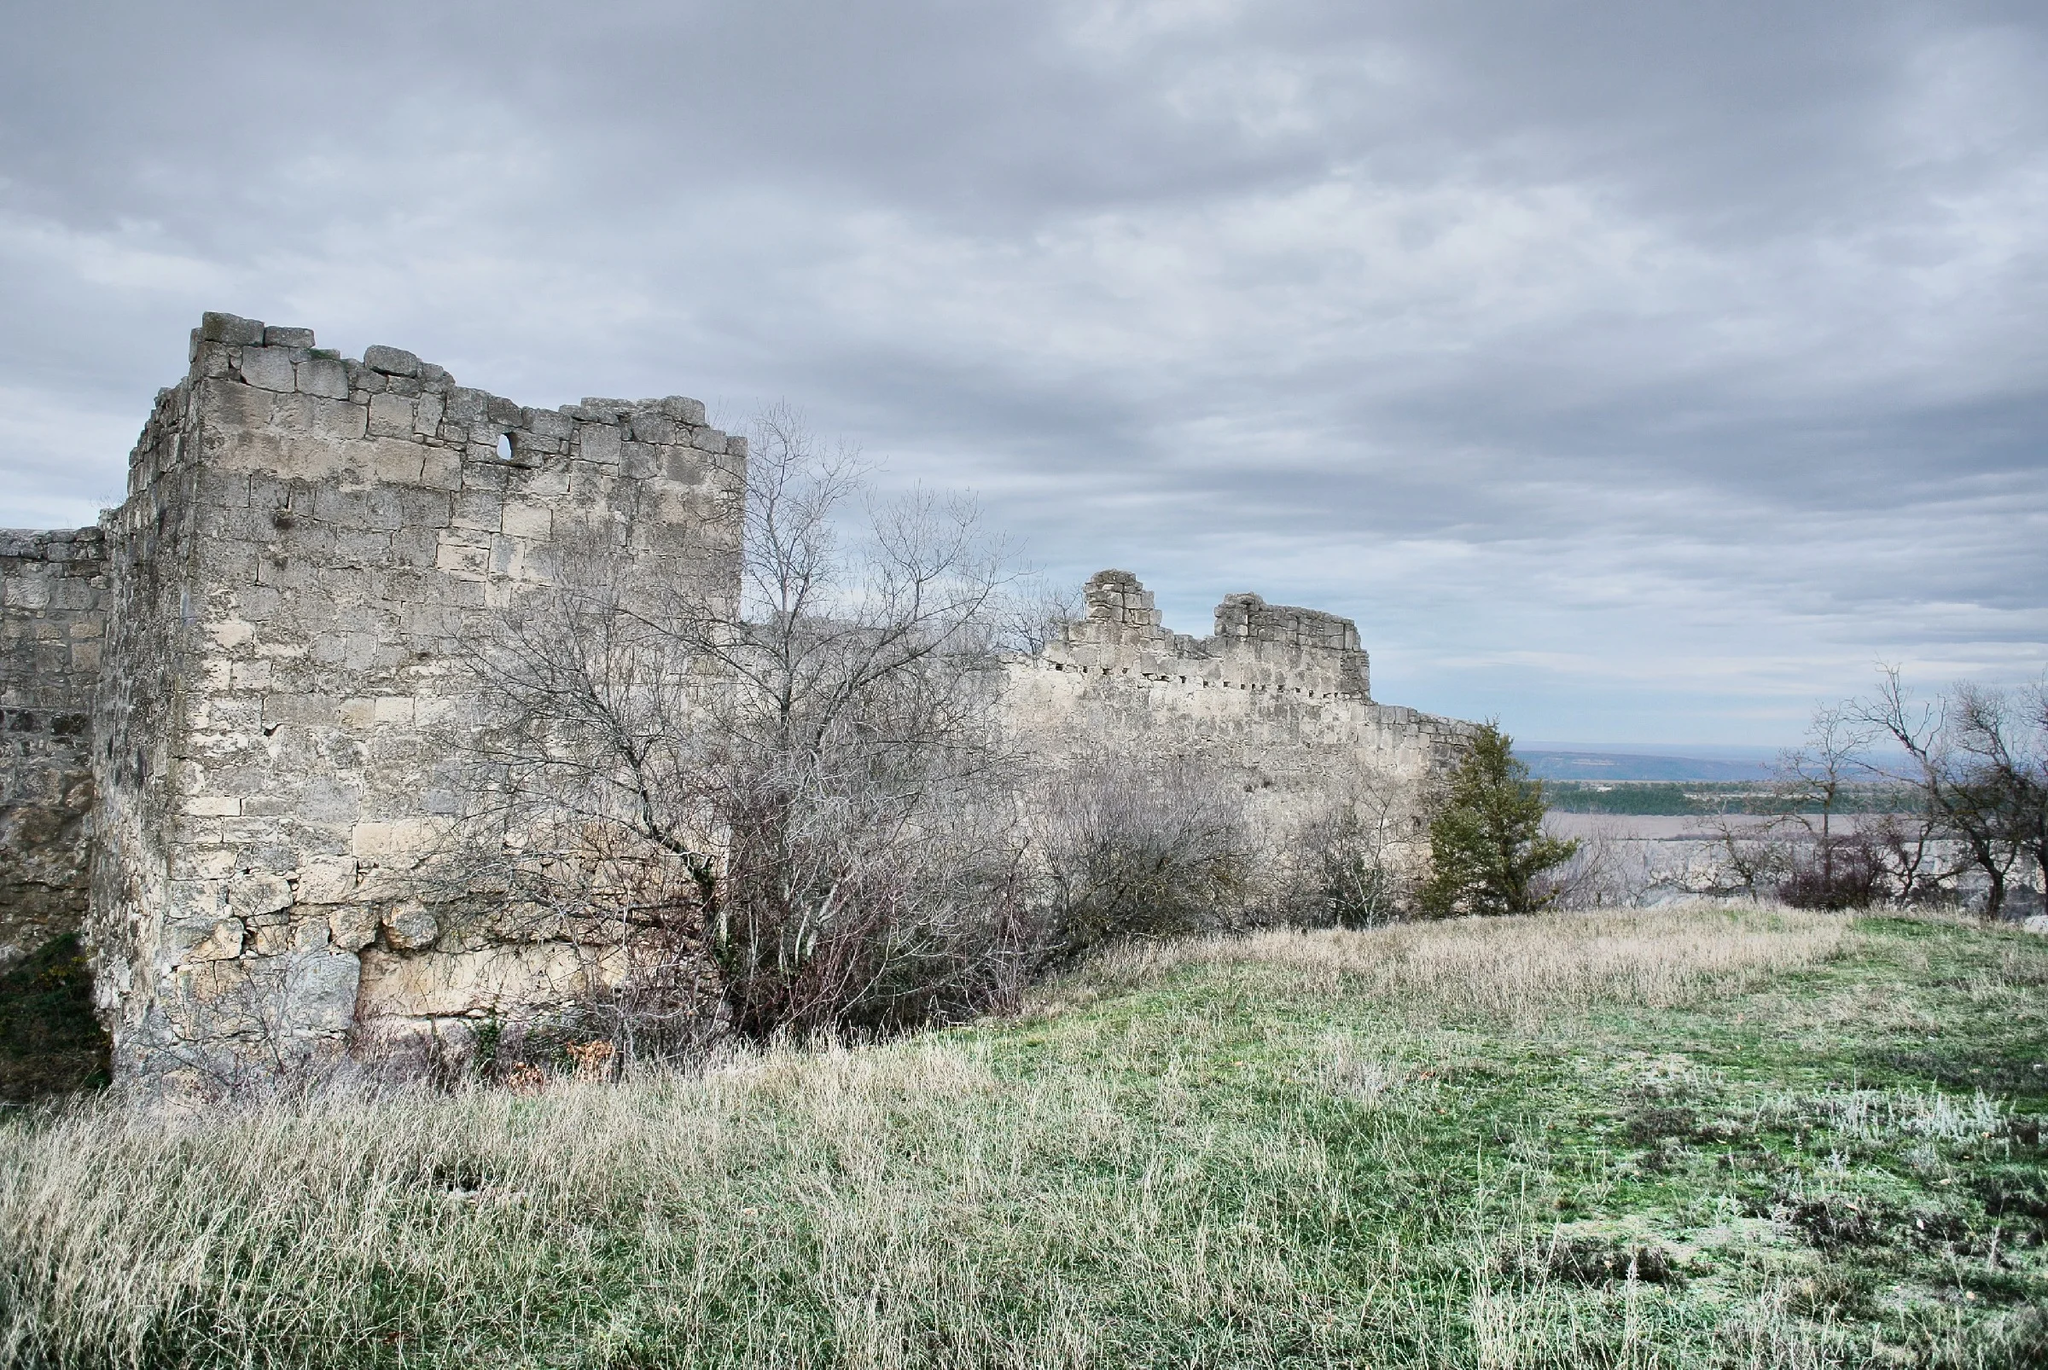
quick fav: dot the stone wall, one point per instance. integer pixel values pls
(52, 612)
(1276, 700)
(242, 688)
(306, 541)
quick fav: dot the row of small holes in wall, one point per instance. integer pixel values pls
(1298, 689)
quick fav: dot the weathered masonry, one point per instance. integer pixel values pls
(273, 614)
(52, 612)
(225, 711)
(1278, 698)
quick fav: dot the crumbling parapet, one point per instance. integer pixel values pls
(249, 688)
(307, 541)
(1277, 701)
(52, 615)
(1270, 648)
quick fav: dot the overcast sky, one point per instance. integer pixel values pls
(1632, 372)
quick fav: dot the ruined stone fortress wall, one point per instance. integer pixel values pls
(1277, 699)
(225, 713)
(52, 612)
(305, 542)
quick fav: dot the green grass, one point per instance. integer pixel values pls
(1675, 1138)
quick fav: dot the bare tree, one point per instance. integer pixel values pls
(1038, 614)
(1911, 850)
(1826, 867)
(1753, 857)
(1979, 759)
(2004, 738)
(798, 795)
(1609, 869)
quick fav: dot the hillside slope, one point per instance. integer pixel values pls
(1681, 1137)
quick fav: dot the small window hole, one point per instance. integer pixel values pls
(504, 447)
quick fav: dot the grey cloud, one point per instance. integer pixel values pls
(1628, 370)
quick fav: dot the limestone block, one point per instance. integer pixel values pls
(251, 895)
(323, 377)
(29, 592)
(458, 557)
(231, 329)
(548, 485)
(230, 633)
(274, 336)
(653, 427)
(185, 940)
(328, 421)
(411, 548)
(268, 368)
(638, 461)
(684, 465)
(273, 937)
(320, 989)
(391, 416)
(441, 469)
(708, 440)
(324, 799)
(427, 415)
(212, 805)
(598, 443)
(523, 559)
(396, 462)
(202, 863)
(482, 470)
(392, 361)
(466, 406)
(548, 424)
(410, 927)
(408, 837)
(486, 980)
(351, 927)
(527, 521)
(684, 410)
(480, 510)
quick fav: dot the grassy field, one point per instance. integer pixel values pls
(1698, 1136)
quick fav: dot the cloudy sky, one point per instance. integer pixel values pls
(1630, 371)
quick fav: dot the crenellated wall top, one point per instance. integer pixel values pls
(393, 395)
(1273, 648)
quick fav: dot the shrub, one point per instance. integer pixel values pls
(1343, 871)
(1834, 873)
(1140, 847)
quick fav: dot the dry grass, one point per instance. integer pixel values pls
(1523, 970)
(1183, 1161)
(876, 1204)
